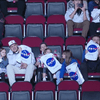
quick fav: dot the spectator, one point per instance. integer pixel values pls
(3, 63)
(20, 4)
(89, 65)
(92, 4)
(21, 61)
(2, 20)
(43, 46)
(55, 75)
(77, 17)
(70, 4)
(95, 24)
(68, 60)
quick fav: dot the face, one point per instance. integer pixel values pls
(48, 51)
(96, 1)
(63, 56)
(76, 2)
(3, 53)
(96, 39)
(14, 47)
(43, 47)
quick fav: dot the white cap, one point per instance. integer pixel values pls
(11, 42)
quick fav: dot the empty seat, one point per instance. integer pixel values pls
(76, 44)
(56, 26)
(56, 7)
(34, 7)
(35, 26)
(4, 89)
(45, 91)
(90, 90)
(68, 90)
(21, 91)
(14, 26)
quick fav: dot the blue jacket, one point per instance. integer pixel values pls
(63, 68)
(4, 63)
(91, 6)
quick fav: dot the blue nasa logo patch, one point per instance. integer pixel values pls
(51, 62)
(92, 48)
(73, 75)
(25, 54)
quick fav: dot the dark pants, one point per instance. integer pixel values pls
(93, 28)
(89, 67)
(20, 5)
(2, 76)
(40, 74)
(1, 30)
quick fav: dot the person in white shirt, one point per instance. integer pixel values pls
(77, 17)
(21, 61)
(95, 24)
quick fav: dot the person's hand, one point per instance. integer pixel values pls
(76, 6)
(61, 79)
(19, 49)
(2, 20)
(83, 8)
(23, 65)
(37, 63)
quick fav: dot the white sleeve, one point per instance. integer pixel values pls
(95, 13)
(87, 15)
(68, 13)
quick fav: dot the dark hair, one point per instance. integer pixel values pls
(43, 43)
(68, 57)
(95, 35)
(46, 50)
(5, 50)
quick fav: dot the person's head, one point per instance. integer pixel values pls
(43, 46)
(47, 51)
(64, 54)
(76, 2)
(68, 57)
(3, 52)
(96, 39)
(97, 1)
(13, 46)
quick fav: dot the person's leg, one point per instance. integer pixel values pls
(21, 7)
(39, 74)
(29, 72)
(11, 71)
(3, 76)
(93, 28)
(58, 77)
(3, 6)
(70, 25)
(85, 26)
(84, 70)
(1, 30)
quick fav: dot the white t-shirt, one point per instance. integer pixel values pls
(92, 49)
(51, 62)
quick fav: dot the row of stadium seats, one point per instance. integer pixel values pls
(67, 90)
(40, 7)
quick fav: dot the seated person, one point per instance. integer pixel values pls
(21, 61)
(88, 65)
(68, 60)
(77, 17)
(91, 5)
(20, 4)
(95, 24)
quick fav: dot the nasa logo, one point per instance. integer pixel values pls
(73, 75)
(92, 48)
(25, 54)
(51, 62)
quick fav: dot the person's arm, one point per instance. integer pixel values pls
(62, 70)
(84, 12)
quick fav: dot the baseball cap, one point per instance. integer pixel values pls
(11, 42)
